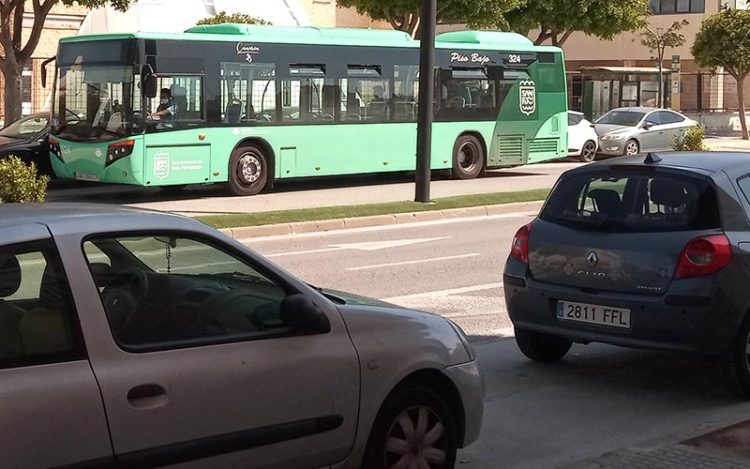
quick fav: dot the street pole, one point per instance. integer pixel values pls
(426, 94)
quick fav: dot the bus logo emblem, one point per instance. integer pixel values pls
(527, 103)
(161, 166)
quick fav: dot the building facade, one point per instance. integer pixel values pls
(622, 72)
(62, 21)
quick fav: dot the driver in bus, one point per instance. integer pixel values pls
(166, 109)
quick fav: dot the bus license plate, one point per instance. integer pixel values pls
(593, 314)
(87, 177)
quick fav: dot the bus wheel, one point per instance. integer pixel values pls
(248, 170)
(468, 158)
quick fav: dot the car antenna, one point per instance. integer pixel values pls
(652, 158)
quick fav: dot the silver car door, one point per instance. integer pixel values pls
(205, 369)
(52, 412)
(650, 137)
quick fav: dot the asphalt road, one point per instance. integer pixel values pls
(598, 400)
(306, 193)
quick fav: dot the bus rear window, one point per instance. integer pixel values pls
(633, 202)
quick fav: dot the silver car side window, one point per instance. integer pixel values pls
(162, 292)
(38, 321)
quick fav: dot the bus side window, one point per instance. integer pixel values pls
(365, 94)
(248, 92)
(405, 92)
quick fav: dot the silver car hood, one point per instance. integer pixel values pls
(604, 129)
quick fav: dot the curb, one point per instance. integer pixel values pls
(378, 220)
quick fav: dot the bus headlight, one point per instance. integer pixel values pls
(119, 150)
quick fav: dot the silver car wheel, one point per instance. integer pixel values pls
(416, 439)
(631, 148)
(250, 168)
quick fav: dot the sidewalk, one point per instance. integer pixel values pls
(726, 448)
(727, 144)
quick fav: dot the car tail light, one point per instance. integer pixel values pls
(520, 247)
(704, 256)
(119, 150)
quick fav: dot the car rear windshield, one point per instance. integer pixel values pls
(633, 202)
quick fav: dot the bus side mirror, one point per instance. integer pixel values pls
(148, 80)
(44, 70)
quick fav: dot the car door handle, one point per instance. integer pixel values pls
(147, 396)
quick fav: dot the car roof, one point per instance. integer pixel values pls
(732, 163)
(86, 217)
(639, 109)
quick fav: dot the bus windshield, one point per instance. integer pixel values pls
(97, 103)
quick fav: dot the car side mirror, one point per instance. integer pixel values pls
(299, 312)
(645, 126)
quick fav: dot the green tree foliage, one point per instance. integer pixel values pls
(223, 17)
(724, 41)
(658, 40)
(692, 141)
(20, 183)
(17, 47)
(556, 20)
(404, 14)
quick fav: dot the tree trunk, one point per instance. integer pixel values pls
(741, 102)
(12, 99)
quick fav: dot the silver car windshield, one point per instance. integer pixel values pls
(624, 118)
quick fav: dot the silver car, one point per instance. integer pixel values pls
(141, 339)
(629, 131)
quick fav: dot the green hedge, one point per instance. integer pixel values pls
(20, 183)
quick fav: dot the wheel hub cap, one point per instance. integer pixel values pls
(250, 168)
(416, 439)
(466, 157)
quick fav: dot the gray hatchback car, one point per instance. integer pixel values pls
(647, 252)
(139, 339)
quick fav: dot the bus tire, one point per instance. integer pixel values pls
(248, 170)
(468, 157)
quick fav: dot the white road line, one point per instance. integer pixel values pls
(419, 261)
(398, 226)
(299, 253)
(450, 291)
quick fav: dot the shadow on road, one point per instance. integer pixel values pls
(77, 191)
(600, 368)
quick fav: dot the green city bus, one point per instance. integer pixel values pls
(256, 104)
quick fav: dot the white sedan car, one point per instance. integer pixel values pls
(141, 339)
(583, 141)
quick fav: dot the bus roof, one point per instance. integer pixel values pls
(330, 36)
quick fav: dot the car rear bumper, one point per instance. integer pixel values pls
(706, 325)
(469, 382)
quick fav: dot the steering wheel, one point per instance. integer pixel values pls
(124, 295)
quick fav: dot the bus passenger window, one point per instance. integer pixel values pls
(405, 92)
(365, 95)
(308, 100)
(248, 92)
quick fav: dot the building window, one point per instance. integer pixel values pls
(26, 92)
(670, 7)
